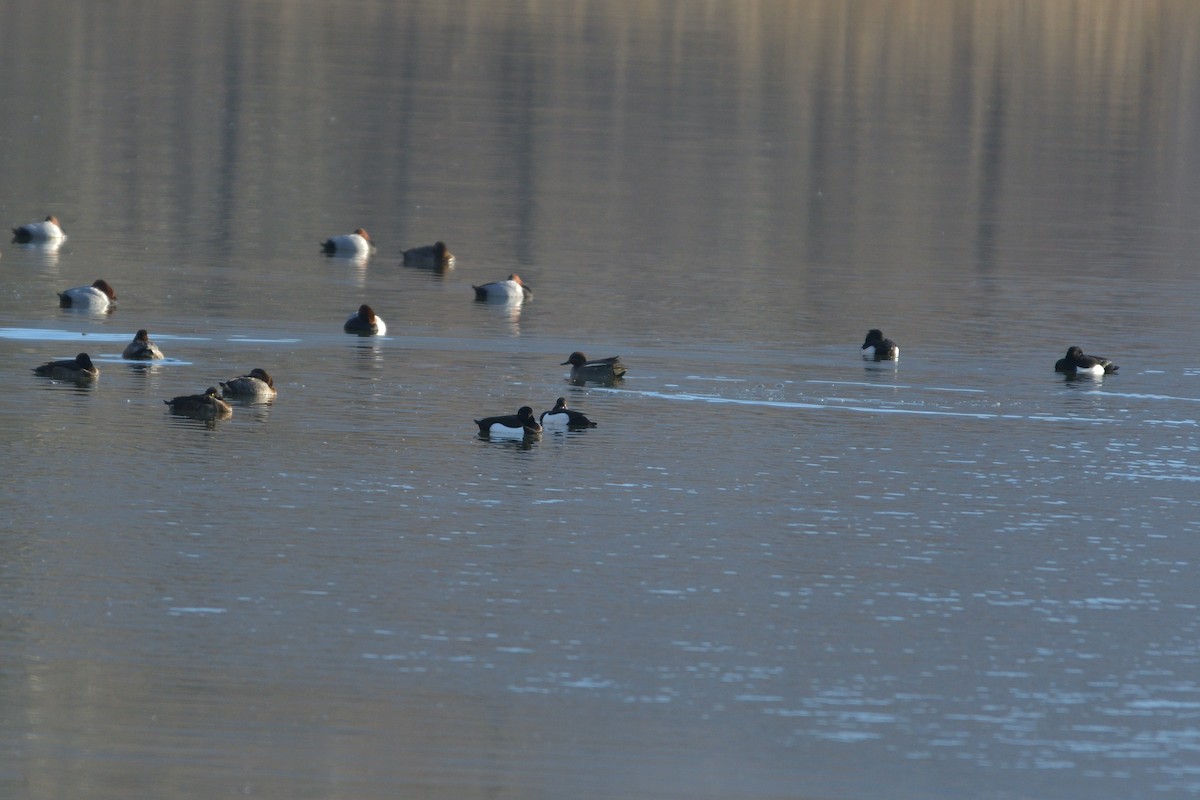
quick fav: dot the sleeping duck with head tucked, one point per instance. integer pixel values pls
(210, 405)
(254, 385)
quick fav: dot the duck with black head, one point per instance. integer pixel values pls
(1075, 362)
(879, 348)
(596, 370)
(562, 417)
(79, 368)
(519, 425)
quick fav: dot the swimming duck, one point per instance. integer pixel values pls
(435, 256)
(210, 405)
(562, 417)
(512, 290)
(603, 370)
(141, 348)
(78, 368)
(257, 384)
(365, 323)
(350, 244)
(97, 297)
(47, 231)
(1076, 363)
(879, 348)
(520, 424)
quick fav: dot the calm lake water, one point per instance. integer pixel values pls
(773, 570)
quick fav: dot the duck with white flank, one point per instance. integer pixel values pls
(514, 290)
(351, 244)
(257, 385)
(599, 370)
(210, 405)
(562, 417)
(1076, 363)
(79, 368)
(879, 348)
(519, 425)
(141, 348)
(97, 297)
(34, 232)
(431, 256)
(365, 323)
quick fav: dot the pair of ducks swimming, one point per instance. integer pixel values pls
(359, 243)
(257, 385)
(365, 322)
(523, 423)
(140, 349)
(81, 367)
(1076, 362)
(213, 403)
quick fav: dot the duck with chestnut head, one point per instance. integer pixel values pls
(512, 291)
(97, 297)
(365, 322)
(350, 244)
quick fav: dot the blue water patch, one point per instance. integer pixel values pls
(249, 340)
(870, 385)
(55, 335)
(693, 397)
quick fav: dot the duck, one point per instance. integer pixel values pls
(47, 231)
(520, 424)
(1076, 363)
(879, 348)
(141, 348)
(210, 405)
(365, 323)
(97, 297)
(562, 417)
(513, 290)
(603, 370)
(434, 256)
(350, 244)
(256, 384)
(79, 368)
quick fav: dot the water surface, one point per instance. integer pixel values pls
(773, 569)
